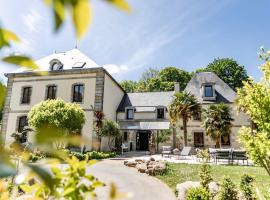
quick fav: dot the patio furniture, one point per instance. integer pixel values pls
(124, 147)
(176, 152)
(212, 153)
(239, 155)
(166, 150)
(223, 154)
(185, 152)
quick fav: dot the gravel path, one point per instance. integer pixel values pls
(129, 180)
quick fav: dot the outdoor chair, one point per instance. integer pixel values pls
(166, 150)
(239, 155)
(212, 153)
(223, 154)
(124, 147)
(185, 152)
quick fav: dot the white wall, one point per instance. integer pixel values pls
(113, 95)
(64, 91)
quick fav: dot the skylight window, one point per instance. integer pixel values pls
(79, 65)
(208, 91)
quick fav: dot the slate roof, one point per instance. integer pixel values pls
(68, 59)
(145, 101)
(223, 92)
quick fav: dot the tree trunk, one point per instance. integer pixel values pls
(185, 131)
(99, 143)
(218, 142)
(174, 136)
(157, 141)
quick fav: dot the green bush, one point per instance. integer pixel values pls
(100, 155)
(198, 193)
(205, 176)
(228, 190)
(92, 155)
(203, 155)
(246, 185)
(35, 156)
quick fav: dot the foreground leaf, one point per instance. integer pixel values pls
(44, 175)
(59, 13)
(23, 61)
(121, 4)
(6, 37)
(7, 169)
(82, 16)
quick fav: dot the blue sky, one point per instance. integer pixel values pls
(184, 33)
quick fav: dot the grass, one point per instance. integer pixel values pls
(178, 173)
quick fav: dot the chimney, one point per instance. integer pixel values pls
(176, 87)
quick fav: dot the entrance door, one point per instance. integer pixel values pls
(198, 139)
(142, 140)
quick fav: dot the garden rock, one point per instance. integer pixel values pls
(182, 188)
(141, 167)
(213, 188)
(130, 163)
(151, 166)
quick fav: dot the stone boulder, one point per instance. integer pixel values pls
(182, 188)
(142, 167)
(130, 163)
(151, 166)
(213, 188)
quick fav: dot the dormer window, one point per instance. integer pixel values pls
(160, 113)
(208, 91)
(130, 113)
(55, 65)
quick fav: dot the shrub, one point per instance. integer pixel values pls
(203, 155)
(198, 193)
(100, 155)
(246, 185)
(228, 191)
(205, 176)
(92, 155)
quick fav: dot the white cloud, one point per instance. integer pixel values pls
(115, 69)
(32, 20)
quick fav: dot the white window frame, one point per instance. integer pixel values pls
(203, 91)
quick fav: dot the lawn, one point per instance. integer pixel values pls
(178, 173)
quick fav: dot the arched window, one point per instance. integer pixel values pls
(55, 65)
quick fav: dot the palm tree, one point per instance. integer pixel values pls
(183, 106)
(217, 121)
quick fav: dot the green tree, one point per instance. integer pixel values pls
(2, 98)
(111, 130)
(183, 106)
(129, 86)
(254, 100)
(172, 75)
(163, 136)
(217, 121)
(228, 70)
(228, 190)
(57, 114)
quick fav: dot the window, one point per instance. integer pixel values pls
(51, 92)
(78, 93)
(26, 95)
(160, 113)
(125, 136)
(197, 116)
(55, 65)
(225, 140)
(22, 123)
(208, 91)
(198, 139)
(130, 113)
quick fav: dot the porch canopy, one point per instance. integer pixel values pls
(144, 125)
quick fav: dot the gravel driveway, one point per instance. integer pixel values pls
(129, 180)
